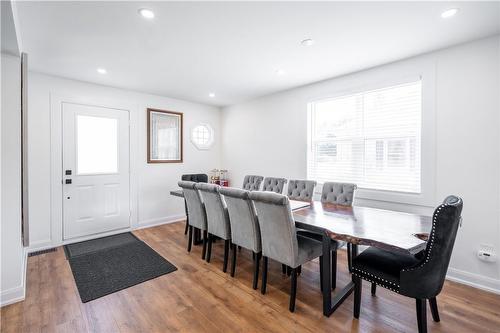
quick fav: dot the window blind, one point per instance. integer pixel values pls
(372, 139)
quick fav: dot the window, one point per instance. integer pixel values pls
(202, 136)
(97, 145)
(370, 138)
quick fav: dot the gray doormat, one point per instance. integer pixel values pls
(109, 264)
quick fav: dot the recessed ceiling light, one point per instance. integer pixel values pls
(102, 71)
(211, 95)
(280, 72)
(147, 13)
(449, 13)
(307, 42)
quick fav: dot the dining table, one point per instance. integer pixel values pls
(385, 229)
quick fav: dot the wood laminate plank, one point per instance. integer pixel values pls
(199, 297)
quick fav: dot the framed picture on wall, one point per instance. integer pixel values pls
(164, 136)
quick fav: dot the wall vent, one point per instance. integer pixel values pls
(37, 253)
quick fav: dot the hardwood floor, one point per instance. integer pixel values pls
(199, 297)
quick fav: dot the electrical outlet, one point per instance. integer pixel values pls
(486, 253)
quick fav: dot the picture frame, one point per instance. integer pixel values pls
(164, 136)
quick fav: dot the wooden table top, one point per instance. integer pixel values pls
(390, 230)
(386, 229)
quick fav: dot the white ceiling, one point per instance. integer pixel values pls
(234, 49)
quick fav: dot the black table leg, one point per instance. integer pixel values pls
(327, 283)
(329, 304)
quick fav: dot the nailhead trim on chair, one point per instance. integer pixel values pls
(428, 254)
(377, 283)
(373, 276)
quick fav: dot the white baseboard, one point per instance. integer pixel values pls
(12, 296)
(159, 221)
(474, 280)
(16, 294)
(40, 245)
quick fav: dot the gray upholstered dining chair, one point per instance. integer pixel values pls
(217, 219)
(252, 182)
(245, 230)
(301, 190)
(196, 211)
(275, 185)
(197, 178)
(338, 193)
(304, 190)
(279, 238)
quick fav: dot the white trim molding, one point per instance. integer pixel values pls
(385, 76)
(16, 294)
(159, 221)
(474, 280)
(56, 101)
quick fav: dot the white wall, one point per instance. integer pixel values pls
(12, 252)
(154, 181)
(268, 136)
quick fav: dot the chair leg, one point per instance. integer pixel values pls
(256, 270)
(209, 247)
(357, 295)
(374, 289)
(226, 255)
(233, 262)
(421, 315)
(293, 289)
(190, 238)
(283, 268)
(288, 271)
(334, 269)
(264, 275)
(187, 217)
(321, 272)
(204, 251)
(349, 257)
(434, 309)
(299, 270)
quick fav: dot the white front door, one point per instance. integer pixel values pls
(95, 170)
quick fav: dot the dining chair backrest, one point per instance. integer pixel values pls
(195, 207)
(425, 280)
(245, 230)
(338, 193)
(217, 215)
(275, 185)
(252, 182)
(302, 190)
(277, 227)
(195, 177)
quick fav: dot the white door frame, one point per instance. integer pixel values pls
(56, 163)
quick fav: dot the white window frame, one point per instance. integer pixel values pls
(210, 142)
(384, 77)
